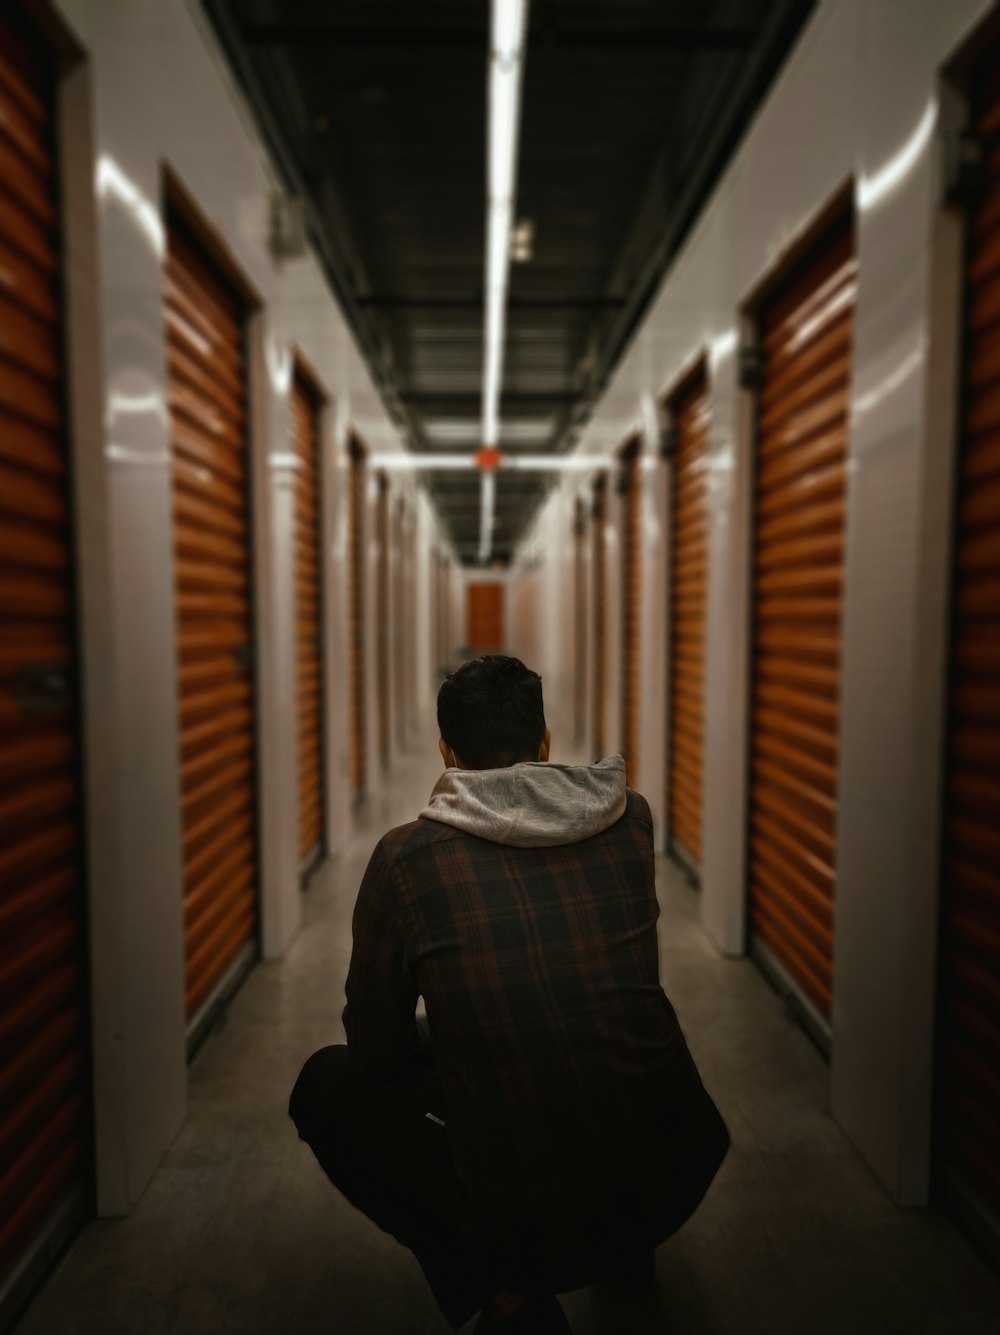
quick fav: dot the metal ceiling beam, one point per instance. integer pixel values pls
(545, 36)
(474, 302)
(471, 400)
(778, 33)
(335, 262)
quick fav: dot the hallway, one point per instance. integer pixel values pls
(240, 1232)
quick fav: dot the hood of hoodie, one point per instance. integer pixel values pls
(532, 805)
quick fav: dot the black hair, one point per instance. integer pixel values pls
(490, 712)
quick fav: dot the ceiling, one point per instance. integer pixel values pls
(376, 112)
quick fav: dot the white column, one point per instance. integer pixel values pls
(895, 628)
(274, 473)
(122, 465)
(653, 631)
(727, 632)
(333, 557)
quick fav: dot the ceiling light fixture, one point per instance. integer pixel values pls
(411, 462)
(465, 430)
(507, 39)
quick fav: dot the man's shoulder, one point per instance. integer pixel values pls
(410, 838)
(636, 806)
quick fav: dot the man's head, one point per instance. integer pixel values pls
(490, 715)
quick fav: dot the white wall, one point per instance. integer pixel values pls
(857, 107)
(153, 92)
(426, 666)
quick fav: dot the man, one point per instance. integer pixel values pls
(549, 1128)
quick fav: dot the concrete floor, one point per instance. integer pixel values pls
(240, 1231)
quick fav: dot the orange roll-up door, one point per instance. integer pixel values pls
(599, 521)
(805, 335)
(308, 620)
(484, 610)
(44, 1022)
(688, 590)
(209, 442)
(631, 608)
(967, 1140)
(357, 481)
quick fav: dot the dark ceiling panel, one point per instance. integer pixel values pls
(376, 110)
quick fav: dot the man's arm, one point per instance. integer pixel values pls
(381, 994)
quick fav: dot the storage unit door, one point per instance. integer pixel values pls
(599, 522)
(968, 1073)
(802, 421)
(631, 607)
(308, 621)
(484, 606)
(44, 1022)
(688, 588)
(356, 617)
(208, 432)
(44, 1039)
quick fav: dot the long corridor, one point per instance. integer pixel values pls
(703, 426)
(240, 1234)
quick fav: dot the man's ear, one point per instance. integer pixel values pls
(451, 761)
(545, 745)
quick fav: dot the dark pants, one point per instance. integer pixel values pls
(380, 1149)
(377, 1145)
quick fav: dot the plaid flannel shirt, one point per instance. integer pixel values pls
(538, 966)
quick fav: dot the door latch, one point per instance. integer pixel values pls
(42, 689)
(244, 656)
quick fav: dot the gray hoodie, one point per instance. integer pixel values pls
(532, 805)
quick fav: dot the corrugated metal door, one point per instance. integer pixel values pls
(357, 481)
(44, 1023)
(968, 1074)
(599, 521)
(688, 589)
(631, 607)
(484, 617)
(383, 667)
(802, 424)
(308, 620)
(209, 440)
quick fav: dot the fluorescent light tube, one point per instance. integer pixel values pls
(507, 38)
